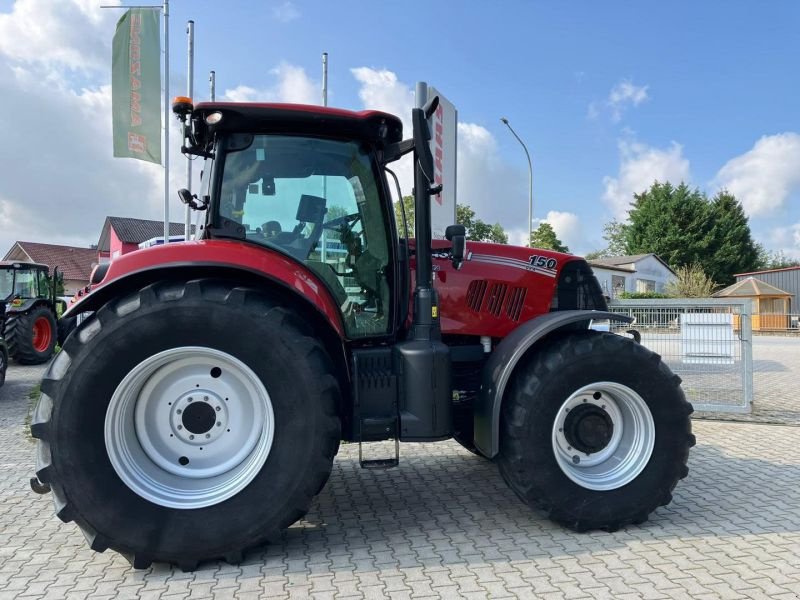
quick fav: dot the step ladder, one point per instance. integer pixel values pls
(380, 427)
(375, 411)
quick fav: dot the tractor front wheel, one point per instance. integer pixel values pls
(595, 430)
(31, 336)
(187, 422)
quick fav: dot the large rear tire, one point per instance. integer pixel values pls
(595, 431)
(187, 422)
(31, 337)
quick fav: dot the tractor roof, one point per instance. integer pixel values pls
(21, 264)
(373, 125)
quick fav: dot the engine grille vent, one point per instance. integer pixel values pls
(494, 301)
(516, 300)
(475, 293)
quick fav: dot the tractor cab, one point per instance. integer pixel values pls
(22, 282)
(273, 181)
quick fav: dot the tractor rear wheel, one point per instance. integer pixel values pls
(595, 430)
(31, 336)
(187, 422)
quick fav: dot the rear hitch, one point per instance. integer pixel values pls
(39, 487)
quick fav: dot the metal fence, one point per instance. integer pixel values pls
(707, 342)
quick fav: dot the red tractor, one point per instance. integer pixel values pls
(197, 411)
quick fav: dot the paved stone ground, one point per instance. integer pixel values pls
(444, 524)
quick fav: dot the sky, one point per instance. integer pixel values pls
(608, 96)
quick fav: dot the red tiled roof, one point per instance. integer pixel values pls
(73, 262)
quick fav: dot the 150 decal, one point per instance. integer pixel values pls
(543, 262)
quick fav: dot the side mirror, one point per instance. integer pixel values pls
(186, 196)
(189, 198)
(457, 235)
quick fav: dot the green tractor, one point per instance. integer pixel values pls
(29, 294)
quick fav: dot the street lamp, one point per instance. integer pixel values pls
(530, 178)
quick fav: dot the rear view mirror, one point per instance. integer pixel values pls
(457, 235)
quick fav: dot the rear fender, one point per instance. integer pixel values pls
(502, 362)
(214, 258)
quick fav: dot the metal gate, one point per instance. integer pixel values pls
(707, 342)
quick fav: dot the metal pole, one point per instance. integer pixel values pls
(530, 178)
(212, 84)
(187, 225)
(324, 79)
(165, 9)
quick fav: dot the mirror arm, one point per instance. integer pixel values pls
(392, 152)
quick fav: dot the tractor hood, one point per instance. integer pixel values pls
(500, 286)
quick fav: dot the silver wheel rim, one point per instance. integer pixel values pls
(189, 427)
(630, 446)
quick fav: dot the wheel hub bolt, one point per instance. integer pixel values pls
(576, 459)
(208, 435)
(205, 398)
(218, 409)
(191, 437)
(179, 411)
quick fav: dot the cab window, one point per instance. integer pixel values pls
(316, 200)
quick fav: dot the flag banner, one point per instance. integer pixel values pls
(136, 86)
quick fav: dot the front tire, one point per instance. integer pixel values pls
(140, 416)
(595, 430)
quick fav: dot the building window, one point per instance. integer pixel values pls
(617, 285)
(645, 285)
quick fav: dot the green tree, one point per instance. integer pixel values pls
(690, 282)
(670, 222)
(476, 229)
(683, 226)
(614, 235)
(774, 260)
(408, 205)
(545, 237)
(730, 248)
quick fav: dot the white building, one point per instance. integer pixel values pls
(637, 273)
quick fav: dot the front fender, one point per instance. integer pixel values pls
(502, 362)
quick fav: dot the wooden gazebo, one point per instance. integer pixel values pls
(771, 305)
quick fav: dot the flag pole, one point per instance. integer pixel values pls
(165, 10)
(187, 229)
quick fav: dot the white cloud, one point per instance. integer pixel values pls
(64, 179)
(285, 12)
(381, 90)
(568, 228)
(622, 96)
(640, 166)
(292, 85)
(763, 178)
(786, 240)
(483, 177)
(75, 34)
